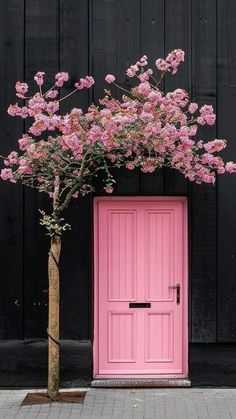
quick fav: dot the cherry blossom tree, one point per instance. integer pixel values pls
(60, 155)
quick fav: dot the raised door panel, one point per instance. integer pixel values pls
(159, 236)
(159, 327)
(122, 330)
(121, 255)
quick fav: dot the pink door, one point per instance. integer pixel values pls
(140, 287)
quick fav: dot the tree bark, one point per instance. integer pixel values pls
(53, 316)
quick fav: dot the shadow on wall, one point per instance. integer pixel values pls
(24, 364)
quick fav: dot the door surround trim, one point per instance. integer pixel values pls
(95, 342)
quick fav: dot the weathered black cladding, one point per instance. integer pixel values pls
(226, 197)
(11, 196)
(203, 197)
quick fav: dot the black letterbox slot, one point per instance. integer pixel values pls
(139, 305)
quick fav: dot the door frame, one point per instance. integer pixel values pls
(95, 342)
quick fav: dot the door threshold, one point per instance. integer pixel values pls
(141, 382)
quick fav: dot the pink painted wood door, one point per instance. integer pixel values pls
(140, 255)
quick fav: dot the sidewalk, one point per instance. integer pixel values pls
(126, 404)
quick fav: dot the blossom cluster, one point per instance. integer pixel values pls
(146, 129)
(171, 62)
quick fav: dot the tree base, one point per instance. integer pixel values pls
(62, 397)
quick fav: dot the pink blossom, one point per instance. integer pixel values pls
(201, 120)
(200, 144)
(210, 119)
(221, 170)
(40, 125)
(39, 78)
(162, 65)
(12, 158)
(154, 96)
(193, 130)
(144, 88)
(132, 70)
(142, 61)
(149, 165)
(148, 106)
(215, 145)
(192, 108)
(52, 106)
(51, 94)
(24, 142)
(206, 115)
(146, 116)
(13, 110)
(53, 122)
(40, 179)
(21, 89)
(138, 66)
(129, 165)
(207, 158)
(25, 169)
(61, 78)
(71, 142)
(230, 167)
(108, 189)
(76, 111)
(206, 109)
(174, 58)
(145, 75)
(205, 175)
(95, 133)
(6, 174)
(110, 78)
(36, 105)
(86, 82)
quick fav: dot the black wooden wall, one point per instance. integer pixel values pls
(97, 37)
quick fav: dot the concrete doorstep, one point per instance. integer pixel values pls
(141, 383)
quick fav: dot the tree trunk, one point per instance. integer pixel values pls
(53, 316)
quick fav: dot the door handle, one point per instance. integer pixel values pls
(177, 288)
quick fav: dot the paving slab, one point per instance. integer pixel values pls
(159, 403)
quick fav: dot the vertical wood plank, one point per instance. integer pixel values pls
(104, 41)
(104, 56)
(177, 30)
(127, 182)
(178, 35)
(11, 208)
(75, 57)
(175, 183)
(203, 197)
(41, 53)
(152, 45)
(76, 272)
(151, 183)
(74, 50)
(152, 29)
(128, 39)
(116, 45)
(226, 252)
(127, 53)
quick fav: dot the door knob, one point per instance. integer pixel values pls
(177, 287)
